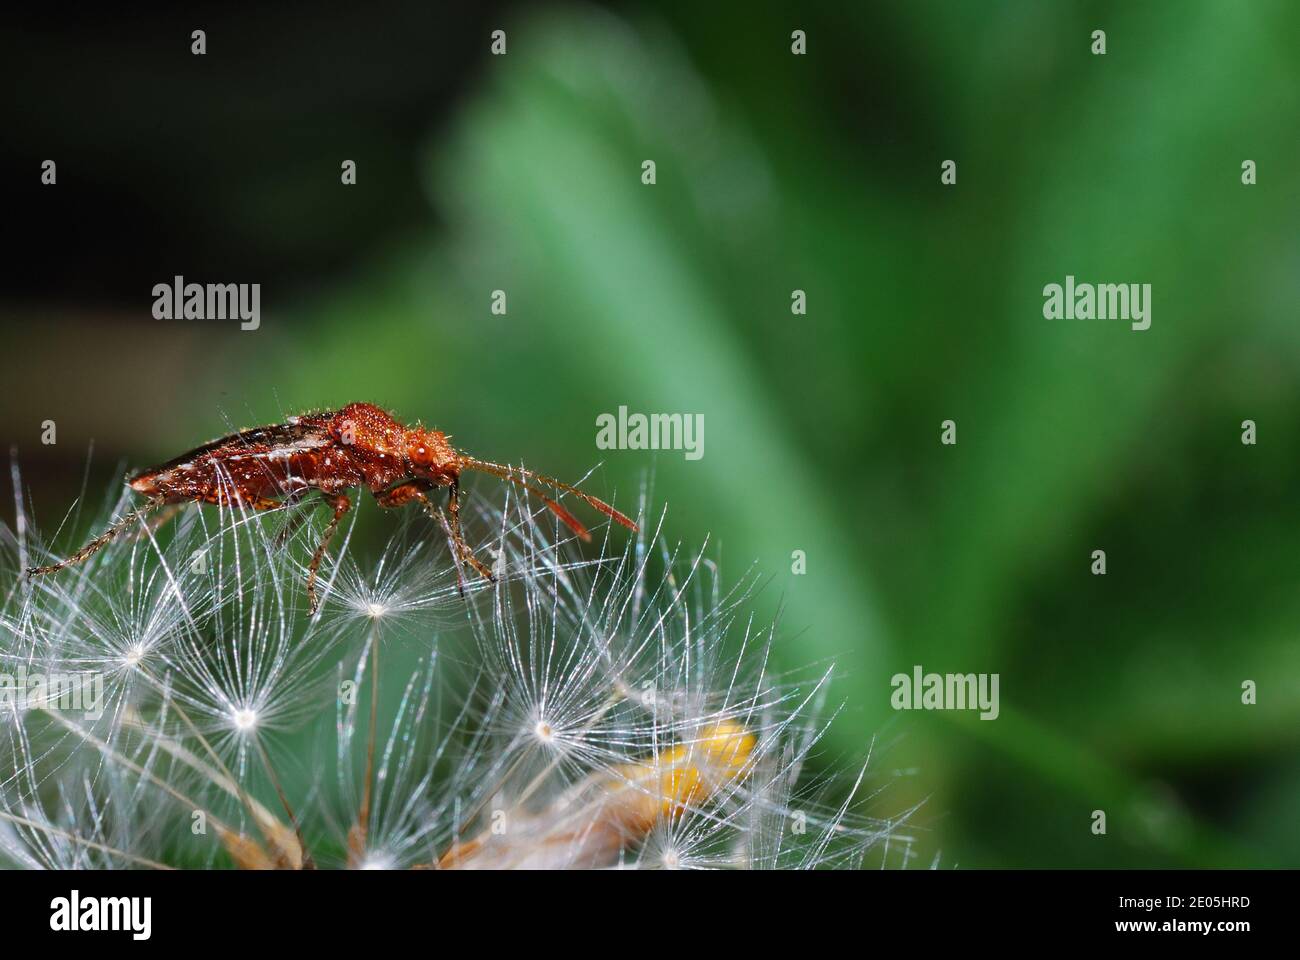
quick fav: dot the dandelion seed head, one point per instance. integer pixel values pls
(615, 708)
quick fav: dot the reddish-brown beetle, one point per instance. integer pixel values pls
(270, 468)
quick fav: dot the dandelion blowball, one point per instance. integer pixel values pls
(432, 716)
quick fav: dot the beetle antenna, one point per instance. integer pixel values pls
(517, 475)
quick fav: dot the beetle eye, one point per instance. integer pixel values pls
(420, 454)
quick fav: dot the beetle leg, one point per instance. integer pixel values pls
(401, 495)
(404, 493)
(341, 505)
(164, 517)
(100, 541)
(453, 505)
(435, 511)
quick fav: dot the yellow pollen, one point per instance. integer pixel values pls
(686, 774)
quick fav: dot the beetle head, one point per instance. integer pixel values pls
(428, 454)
